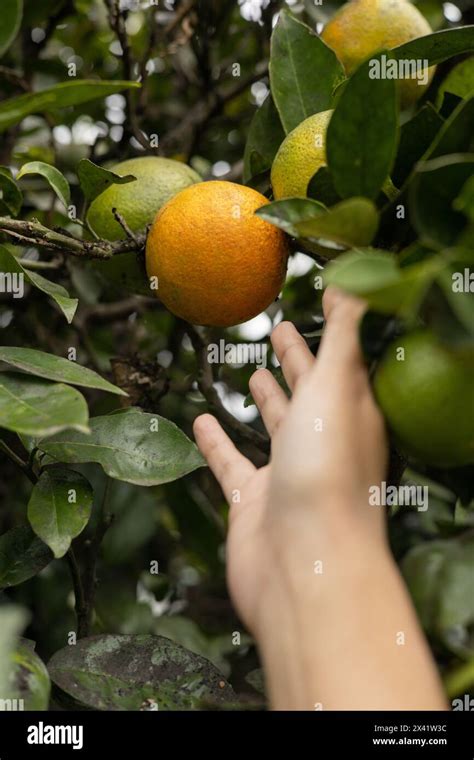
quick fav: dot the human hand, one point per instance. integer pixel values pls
(328, 447)
(308, 563)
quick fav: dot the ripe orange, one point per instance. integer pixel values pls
(216, 262)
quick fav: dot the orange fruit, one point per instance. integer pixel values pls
(215, 261)
(361, 28)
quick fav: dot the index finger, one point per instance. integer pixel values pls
(340, 345)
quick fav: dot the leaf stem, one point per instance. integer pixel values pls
(23, 466)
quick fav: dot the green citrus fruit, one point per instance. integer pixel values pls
(426, 393)
(158, 180)
(363, 27)
(301, 154)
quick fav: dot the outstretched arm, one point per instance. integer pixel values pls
(309, 567)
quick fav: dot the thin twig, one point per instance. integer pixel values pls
(79, 598)
(85, 583)
(33, 233)
(206, 109)
(40, 265)
(23, 466)
(120, 220)
(117, 18)
(206, 386)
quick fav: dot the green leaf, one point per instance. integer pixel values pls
(456, 135)
(349, 223)
(265, 136)
(439, 576)
(12, 621)
(375, 276)
(456, 281)
(59, 508)
(12, 12)
(321, 187)
(432, 195)
(133, 446)
(10, 195)
(64, 95)
(29, 679)
(56, 368)
(39, 408)
(10, 264)
(416, 136)
(289, 213)
(362, 135)
(159, 675)
(459, 81)
(303, 71)
(95, 179)
(465, 200)
(22, 555)
(437, 47)
(56, 180)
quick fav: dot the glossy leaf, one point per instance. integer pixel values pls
(36, 407)
(416, 135)
(10, 195)
(303, 71)
(29, 679)
(12, 620)
(439, 46)
(362, 135)
(265, 136)
(55, 179)
(10, 264)
(22, 555)
(64, 95)
(376, 276)
(289, 213)
(433, 192)
(52, 367)
(59, 508)
(459, 81)
(12, 12)
(349, 223)
(134, 446)
(95, 179)
(439, 576)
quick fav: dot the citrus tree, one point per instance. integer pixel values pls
(136, 294)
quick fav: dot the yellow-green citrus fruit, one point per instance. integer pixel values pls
(363, 27)
(426, 393)
(215, 261)
(301, 154)
(158, 180)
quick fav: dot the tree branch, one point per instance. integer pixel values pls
(206, 109)
(23, 466)
(117, 18)
(84, 583)
(206, 386)
(33, 233)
